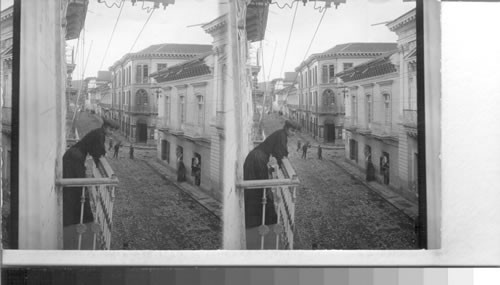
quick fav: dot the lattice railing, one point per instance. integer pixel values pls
(283, 185)
(100, 189)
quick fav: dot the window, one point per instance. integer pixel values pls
(354, 110)
(161, 66)
(387, 108)
(141, 97)
(369, 108)
(331, 72)
(141, 73)
(182, 104)
(347, 65)
(167, 108)
(324, 74)
(201, 110)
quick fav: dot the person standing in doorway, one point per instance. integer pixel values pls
(196, 170)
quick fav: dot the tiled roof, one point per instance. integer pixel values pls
(192, 68)
(375, 67)
(176, 49)
(362, 48)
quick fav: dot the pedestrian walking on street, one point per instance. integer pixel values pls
(304, 150)
(320, 152)
(131, 151)
(117, 149)
(256, 168)
(110, 143)
(299, 144)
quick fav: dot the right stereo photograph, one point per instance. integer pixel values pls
(323, 144)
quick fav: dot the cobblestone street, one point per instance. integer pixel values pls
(150, 212)
(334, 210)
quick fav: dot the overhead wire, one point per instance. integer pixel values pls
(111, 37)
(289, 37)
(149, 17)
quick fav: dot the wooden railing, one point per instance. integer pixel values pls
(283, 186)
(100, 188)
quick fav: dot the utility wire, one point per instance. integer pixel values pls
(112, 33)
(142, 29)
(288, 42)
(314, 36)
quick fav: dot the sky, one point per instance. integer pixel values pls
(350, 22)
(181, 23)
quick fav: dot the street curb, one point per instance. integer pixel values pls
(413, 217)
(214, 210)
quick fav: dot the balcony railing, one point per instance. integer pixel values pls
(100, 189)
(193, 130)
(350, 122)
(410, 118)
(6, 116)
(283, 186)
(146, 109)
(382, 130)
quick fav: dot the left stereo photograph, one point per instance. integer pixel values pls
(109, 132)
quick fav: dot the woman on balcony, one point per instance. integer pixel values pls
(256, 168)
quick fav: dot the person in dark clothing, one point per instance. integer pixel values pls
(370, 169)
(110, 144)
(131, 151)
(255, 167)
(299, 144)
(320, 152)
(304, 150)
(196, 170)
(117, 149)
(181, 169)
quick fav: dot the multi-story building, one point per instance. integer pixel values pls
(185, 114)
(321, 103)
(134, 99)
(6, 30)
(381, 116)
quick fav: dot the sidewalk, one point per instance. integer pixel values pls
(207, 201)
(196, 193)
(404, 204)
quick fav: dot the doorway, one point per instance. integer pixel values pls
(330, 133)
(142, 131)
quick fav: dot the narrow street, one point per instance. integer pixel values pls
(336, 211)
(150, 212)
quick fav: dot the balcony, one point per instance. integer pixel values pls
(382, 130)
(283, 186)
(219, 120)
(142, 109)
(193, 131)
(6, 120)
(100, 188)
(410, 118)
(350, 123)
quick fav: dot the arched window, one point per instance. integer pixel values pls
(141, 97)
(387, 108)
(201, 109)
(328, 98)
